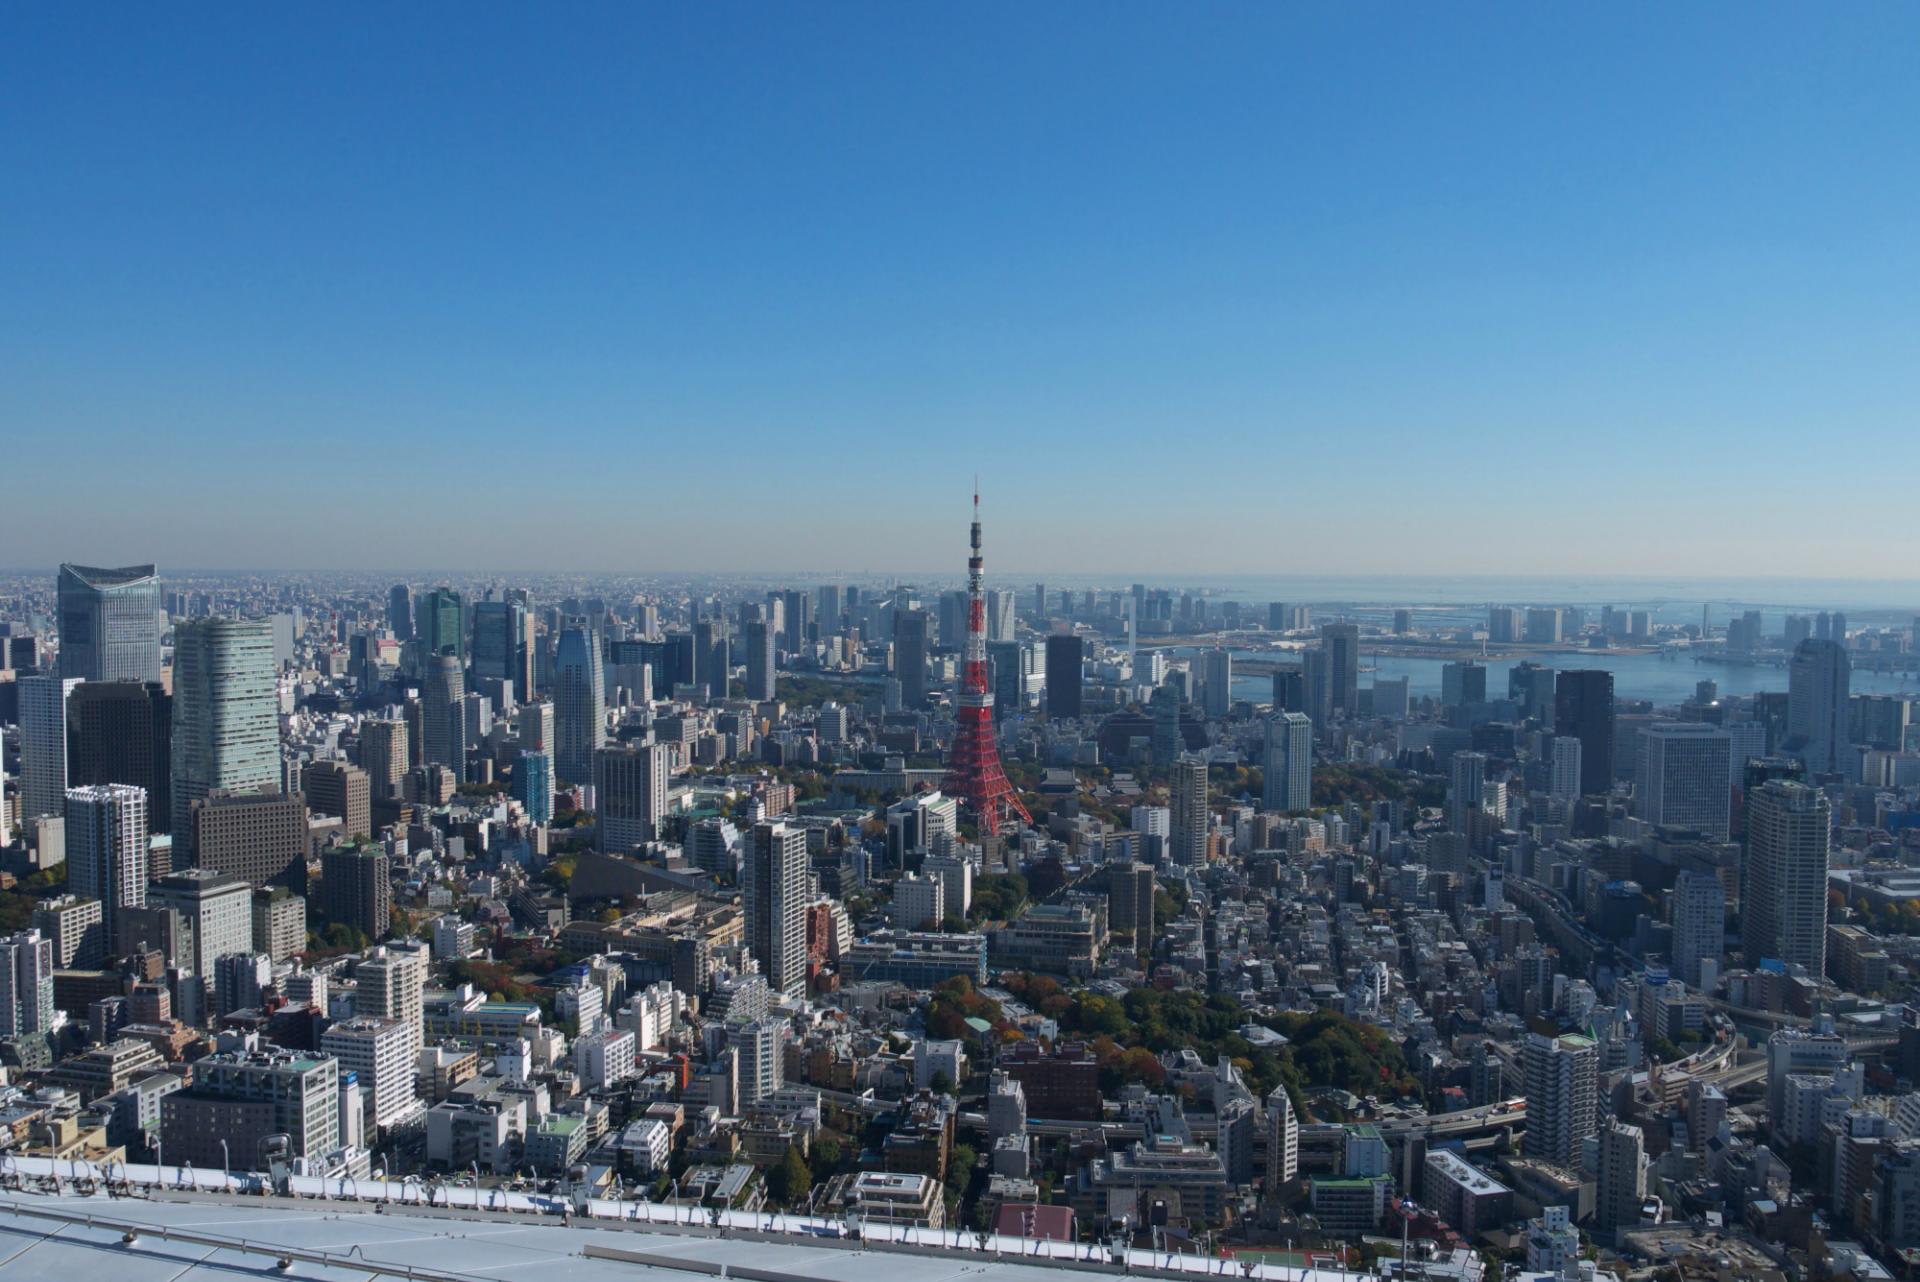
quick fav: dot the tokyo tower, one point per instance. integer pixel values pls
(974, 775)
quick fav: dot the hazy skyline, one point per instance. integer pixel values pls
(1367, 290)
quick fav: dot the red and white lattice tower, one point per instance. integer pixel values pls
(974, 775)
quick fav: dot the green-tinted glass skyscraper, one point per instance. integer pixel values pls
(439, 623)
(226, 723)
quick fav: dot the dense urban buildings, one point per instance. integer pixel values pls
(1457, 938)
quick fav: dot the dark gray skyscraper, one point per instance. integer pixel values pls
(910, 656)
(579, 706)
(713, 657)
(1819, 679)
(109, 623)
(400, 611)
(1063, 690)
(1341, 644)
(1583, 710)
(122, 732)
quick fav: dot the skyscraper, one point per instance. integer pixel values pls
(1622, 1186)
(109, 623)
(1340, 644)
(630, 796)
(533, 785)
(1699, 926)
(384, 756)
(1462, 683)
(1467, 790)
(760, 661)
(336, 788)
(1583, 708)
(122, 732)
(443, 715)
(1784, 894)
(107, 849)
(43, 744)
(1818, 680)
(355, 889)
(257, 834)
(910, 657)
(775, 902)
(400, 612)
(1065, 654)
(26, 984)
(1685, 778)
(226, 719)
(1563, 1096)
(1188, 787)
(579, 706)
(1287, 784)
(714, 657)
(1216, 681)
(1566, 768)
(441, 625)
(503, 645)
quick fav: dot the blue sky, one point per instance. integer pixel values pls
(1300, 289)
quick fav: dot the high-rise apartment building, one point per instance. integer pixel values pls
(1622, 1186)
(1784, 894)
(26, 985)
(391, 984)
(760, 661)
(107, 849)
(1188, 788)
(109, 623)
(1287, 783)
(630, 796)
(1685, 778)
(226, 720)
(380, 1053)
(384, 755)
(1583, 709)
(774, 899)
(1566, 779)
(579, 706)
(1563, 1096)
